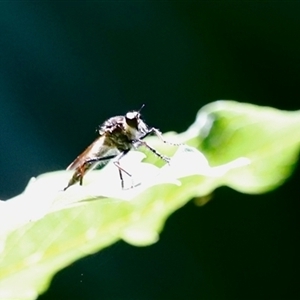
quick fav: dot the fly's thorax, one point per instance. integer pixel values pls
(111, 125)
(121, 131)
(118, 137)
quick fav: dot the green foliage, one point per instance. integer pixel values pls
(250, 148)
(270, 138)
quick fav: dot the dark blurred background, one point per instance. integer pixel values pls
(67, 66)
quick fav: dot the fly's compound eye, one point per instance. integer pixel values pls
(132, 119)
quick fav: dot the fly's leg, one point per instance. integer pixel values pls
(159, 135)
(117, 164)
(120, 169)
(161, 156)
(83, 168)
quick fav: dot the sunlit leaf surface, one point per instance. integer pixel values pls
(250, 148)
(270, 138)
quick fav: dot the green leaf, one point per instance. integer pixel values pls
(270, 138)
(44, 229)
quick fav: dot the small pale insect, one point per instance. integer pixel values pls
(117, 136)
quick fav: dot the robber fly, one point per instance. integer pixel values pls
(118, 135)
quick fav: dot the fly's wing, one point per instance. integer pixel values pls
(89, 159)
(101, 147)
(95, 150)
(100, 151)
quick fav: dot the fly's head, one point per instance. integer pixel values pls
(135, 127)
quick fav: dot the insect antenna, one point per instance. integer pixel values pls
(143, 105)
